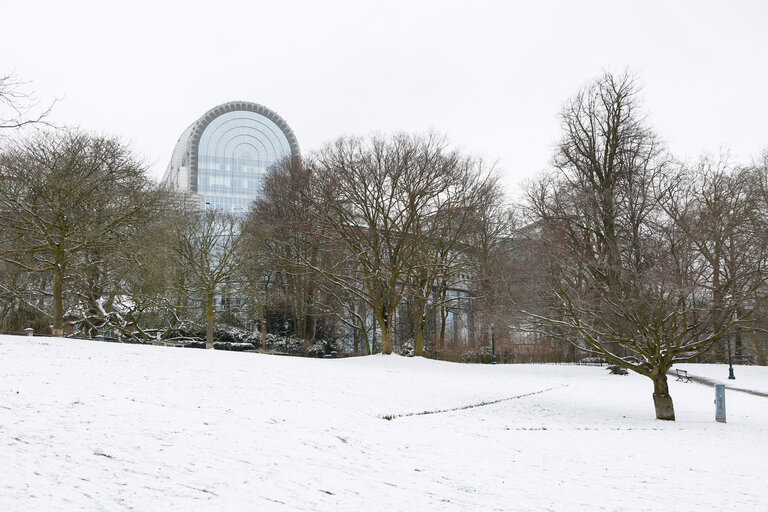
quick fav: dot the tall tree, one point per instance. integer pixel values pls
(371, 197)
(439, 241)
(718, 210)
(66, 198)
(626, 282)
(759, 174)
(281, 226)
(490, 247)
(208, 248)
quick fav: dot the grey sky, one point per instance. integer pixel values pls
(490, 75)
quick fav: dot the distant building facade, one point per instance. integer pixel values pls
(220, 159)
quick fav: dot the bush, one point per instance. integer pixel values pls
(407, 349)
(18, 318)
(230, 334)
(322, 348)
(239, 339)
(237, 347)
(481, 355)
(225, 334)
(285, 345)
(617, 370)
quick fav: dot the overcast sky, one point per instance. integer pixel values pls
(490, 75)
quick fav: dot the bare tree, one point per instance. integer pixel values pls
(280, 224)
(20, 305)
(759, 183)
(490, 246)
(123, 291)
(66, 198)
(207, 247)
(18, 106)
(718, 210)
(441, 256)
(258, 270)
(370, 197)
(626, 281)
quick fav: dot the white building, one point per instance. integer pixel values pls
(220, 159)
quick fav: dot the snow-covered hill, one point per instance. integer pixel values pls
(99, 426)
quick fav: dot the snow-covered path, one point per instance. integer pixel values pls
(98, 426)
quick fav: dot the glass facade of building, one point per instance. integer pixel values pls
(222, 157)
(235, 151)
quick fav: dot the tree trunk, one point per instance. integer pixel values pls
(758, 348)
(263, 326)
(263, 336)
(372, 347)
(661, 399)
(366, 346)
(443, 321)
(386, 332)
(386, 338)
(209, 321)
(58, 302)
(418, 348)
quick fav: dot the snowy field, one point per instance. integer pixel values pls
(752, 378)
(98, 426)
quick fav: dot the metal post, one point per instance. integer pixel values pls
(493, 346)
(720, 402)
(730, 362)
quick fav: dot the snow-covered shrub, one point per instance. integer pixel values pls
(194, 332)
(322, 348)
(617, 370)
(238, 347)
(187, 342)
(283, 344)
(481, 355)
(407, 349)
(229, 334)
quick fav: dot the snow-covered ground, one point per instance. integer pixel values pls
(753, 378)
(99, 426)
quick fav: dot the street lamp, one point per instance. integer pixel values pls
(730, 362)
(493, 346)
(286, 335)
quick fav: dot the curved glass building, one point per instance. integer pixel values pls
(220, 159)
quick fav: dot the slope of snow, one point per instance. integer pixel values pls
(98, 426)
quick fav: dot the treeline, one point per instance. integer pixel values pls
(403, 243)
(371, 244)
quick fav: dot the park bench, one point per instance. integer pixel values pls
(682, 375)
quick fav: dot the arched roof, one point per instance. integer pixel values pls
(195, 131)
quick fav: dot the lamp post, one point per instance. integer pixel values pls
(286, 335)
(730, 362)
(493, 347)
